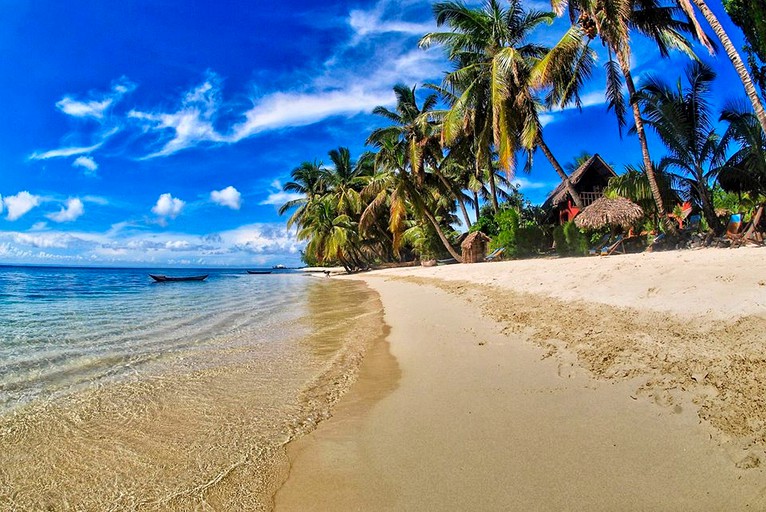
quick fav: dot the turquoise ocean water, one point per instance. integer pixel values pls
(66, 327)
(120, 393)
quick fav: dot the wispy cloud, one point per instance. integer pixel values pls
(191, 124)
(357, 77)
(65, 152)
(73, 210)
(366, 23)
(20, 204)
(527, 184)
(277, 197)
(97, 105)
(229, 197)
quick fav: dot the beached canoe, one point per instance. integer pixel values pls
(259, 271)
(163, 279)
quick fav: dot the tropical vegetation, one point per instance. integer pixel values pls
(444, 155)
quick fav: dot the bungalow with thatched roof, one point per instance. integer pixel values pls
(589, 180)
(474, 247)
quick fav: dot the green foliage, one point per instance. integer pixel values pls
(507, 225)
(529, 240)
(569, 240)
(731, 202)
(485, 224)
(750, 16)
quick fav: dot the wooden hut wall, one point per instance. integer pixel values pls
(475, 250)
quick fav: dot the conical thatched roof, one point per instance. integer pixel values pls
(595, 166)
(609, 212)
(473, 237)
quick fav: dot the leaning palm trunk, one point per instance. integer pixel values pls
(442, 236)
(736, 61)
(560, 171)
(648, 166)
(458, 197)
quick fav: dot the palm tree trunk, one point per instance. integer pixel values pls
(560, 171)
(648, 167)
(707, 202)
(493, 189)
(442, 236)
(458, 197)
(736, 61)
(476, 203)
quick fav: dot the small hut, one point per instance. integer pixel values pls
(609, 212)
(474, 247)
(589, 180)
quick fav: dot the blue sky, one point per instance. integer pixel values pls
(159, 133)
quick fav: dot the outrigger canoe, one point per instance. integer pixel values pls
(164, 279)
(259, 271)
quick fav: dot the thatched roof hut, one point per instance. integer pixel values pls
(609, 212)
(474, 247)
(589, 180)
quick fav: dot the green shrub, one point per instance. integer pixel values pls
(569, 240)
(485, 224)
(529, 240)
(507, 226)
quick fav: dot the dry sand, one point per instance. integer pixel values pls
(631, 382)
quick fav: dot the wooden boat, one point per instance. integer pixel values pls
(165, 279)
(259, 271)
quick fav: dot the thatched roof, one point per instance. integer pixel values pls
(609, 212)
(473, 237)
(593, 164)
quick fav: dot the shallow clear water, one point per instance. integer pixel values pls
(62, 327)
(117, 393)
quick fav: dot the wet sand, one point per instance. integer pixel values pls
(624, 383)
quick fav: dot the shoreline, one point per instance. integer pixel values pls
(208, 432)
(631, 404)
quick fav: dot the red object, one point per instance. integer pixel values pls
(568, 213)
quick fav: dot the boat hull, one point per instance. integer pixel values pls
(169, 279)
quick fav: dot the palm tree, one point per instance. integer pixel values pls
(682, 119)
(414, 126)
(331, 236)
(308, 181)
(490, 90)
(634, 185)
(394, 186)
(732, 53)
(745, 169)
(612, 21)
(344, 181)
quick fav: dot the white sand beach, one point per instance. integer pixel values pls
(630, 382)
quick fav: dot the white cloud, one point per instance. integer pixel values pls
(73, 210)
(96, 107)
(96, 200)
(75, 108)
(20, 204)
(277, 197)
(65, 152)
(526, 184)
(168, 206)
(282, 110)
(366, 23)
(45, 240)
(87, 163)
(192, 123)
(229, 196)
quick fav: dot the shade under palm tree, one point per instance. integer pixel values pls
(609, 212)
